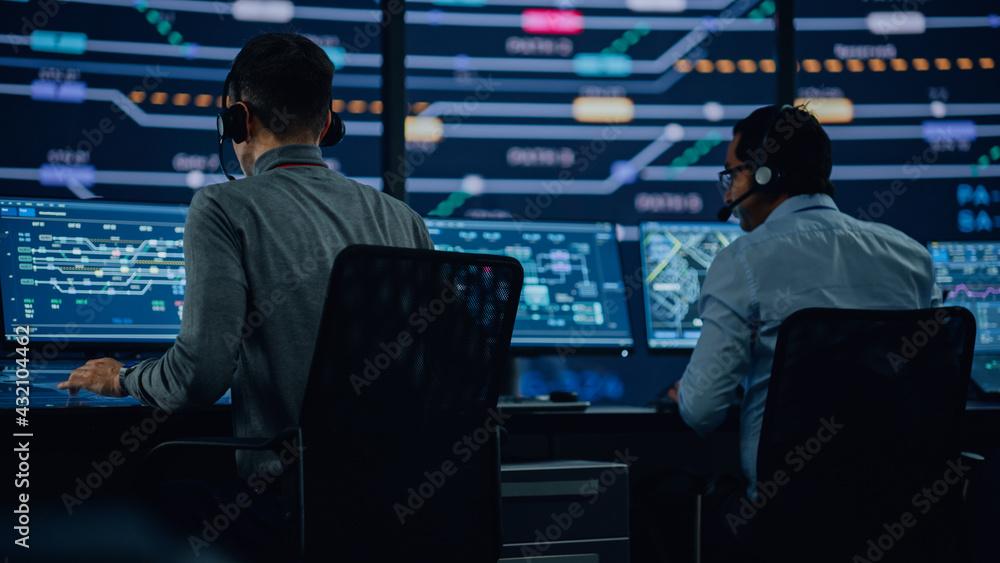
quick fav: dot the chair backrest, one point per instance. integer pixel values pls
(862, 419)
(401, 458)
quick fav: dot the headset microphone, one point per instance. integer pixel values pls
(726, 211)
(766, 177)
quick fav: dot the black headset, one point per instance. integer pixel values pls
(765, 178)
(769, 177)
(231, 124)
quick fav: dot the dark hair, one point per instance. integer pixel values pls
(286, 80)
(796, 146)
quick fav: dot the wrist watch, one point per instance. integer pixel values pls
(122, 373)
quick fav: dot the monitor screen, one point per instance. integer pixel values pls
(970, 273)
(92, 274)
(118, 98)
(622, 108)
(574, 292)
(899, 93)
(675, 259)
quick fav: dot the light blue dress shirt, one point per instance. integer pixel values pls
(806, 254)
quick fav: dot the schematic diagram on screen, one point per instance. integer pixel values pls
(559, 288)
(81, 265)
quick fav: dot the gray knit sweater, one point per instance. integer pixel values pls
(258, 254)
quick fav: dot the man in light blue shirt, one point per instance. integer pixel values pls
(800, 251)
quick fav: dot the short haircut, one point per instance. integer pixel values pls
(800, 149)
(286, 80)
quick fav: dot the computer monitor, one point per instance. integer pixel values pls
(675, 259)
(574, 292)
(91, 274)
(970, 273)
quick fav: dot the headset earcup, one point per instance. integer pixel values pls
(335, 133)
(232, 123)
(762, 176)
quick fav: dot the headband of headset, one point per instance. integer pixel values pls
(768, 177)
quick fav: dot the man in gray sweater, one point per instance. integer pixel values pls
(259, 252)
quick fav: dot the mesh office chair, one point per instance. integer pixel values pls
(863, 419)
(400, 458)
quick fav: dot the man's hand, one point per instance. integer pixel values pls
(673, 392)
(99, 376)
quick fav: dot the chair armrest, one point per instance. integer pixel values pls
(148, 473)
(273, 443)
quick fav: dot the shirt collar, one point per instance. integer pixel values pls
(288, 154)
(801, 202)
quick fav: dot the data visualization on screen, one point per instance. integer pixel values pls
(118, 98)
(92, 272)
(675, 260)
(620, 99)
(574, 292)
(970, 273)
(900, 90)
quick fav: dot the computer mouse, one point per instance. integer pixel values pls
(665, 405)
(563, 397)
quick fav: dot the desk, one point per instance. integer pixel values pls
(70, 446)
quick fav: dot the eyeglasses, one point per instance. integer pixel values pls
(726, 176)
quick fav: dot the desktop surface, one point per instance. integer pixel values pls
(34, 386)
